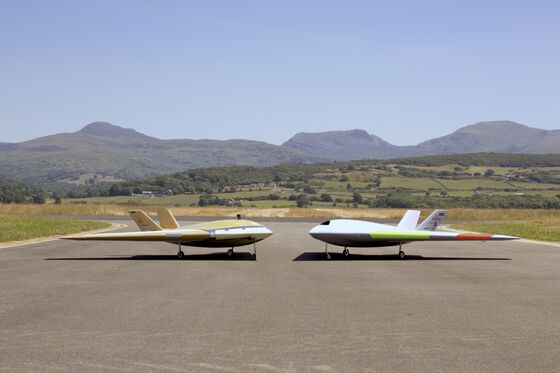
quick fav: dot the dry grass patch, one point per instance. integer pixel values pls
(503, 214)
(284, 212)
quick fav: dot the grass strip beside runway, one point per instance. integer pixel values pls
(541, 230)
(19, 228)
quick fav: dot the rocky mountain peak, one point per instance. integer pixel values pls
(104, 129)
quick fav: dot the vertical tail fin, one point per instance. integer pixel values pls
(144, 222)
(409, 220)
(433, 221)
(167, 220)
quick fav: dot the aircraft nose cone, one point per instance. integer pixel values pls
(268, 231)
(316, 231)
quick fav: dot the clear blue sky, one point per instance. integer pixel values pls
(403, 70)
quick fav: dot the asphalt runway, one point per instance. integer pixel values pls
(105, 306)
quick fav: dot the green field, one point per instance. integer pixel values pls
(421, 183)
(86, 178)
(541, 230)
(19, 228)
(474, 183)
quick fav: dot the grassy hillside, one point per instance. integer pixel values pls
(475, 180)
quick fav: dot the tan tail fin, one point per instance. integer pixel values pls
(167, 220)
(144, 222)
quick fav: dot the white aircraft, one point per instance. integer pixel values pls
(357, 233)
(218, 233)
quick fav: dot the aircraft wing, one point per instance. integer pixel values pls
(162, 235)
(409, 236)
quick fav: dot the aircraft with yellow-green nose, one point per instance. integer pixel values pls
(228, 233)
(358, 233)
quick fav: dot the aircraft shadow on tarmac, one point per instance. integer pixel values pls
(320, 256)
(211, 256)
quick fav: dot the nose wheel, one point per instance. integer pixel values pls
(345, 252)
(230, 252)
(326, 252)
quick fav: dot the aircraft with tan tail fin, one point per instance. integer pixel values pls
(357, 233)
(228, 233)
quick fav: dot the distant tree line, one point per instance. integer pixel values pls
(482, 159)
(307, 179)
(15, 192)
(476, 201)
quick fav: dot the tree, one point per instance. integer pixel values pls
(309, 190)
(326, 197)
(39, 199)
(303, 201)
(489, 172)
(357, 198)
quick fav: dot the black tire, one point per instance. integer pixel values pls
(402, 255)
(346, 252)
(230, 253)
(180, 255)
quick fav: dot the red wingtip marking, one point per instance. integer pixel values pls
(473, 237)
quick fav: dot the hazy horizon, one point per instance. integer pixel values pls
(404, 71)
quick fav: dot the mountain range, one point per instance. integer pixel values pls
(497, 136)
(105, 149)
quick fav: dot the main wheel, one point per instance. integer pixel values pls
(180, 255)
(401, 254)
(328, 256)
(230, 252)
(346, 252)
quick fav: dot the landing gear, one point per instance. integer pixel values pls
(230, 252)
(254, 251)
(326, 252)
(345, 252)
(180, 253)
(401, 253)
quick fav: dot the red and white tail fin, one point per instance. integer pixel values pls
(409, 220)
(433, 221)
